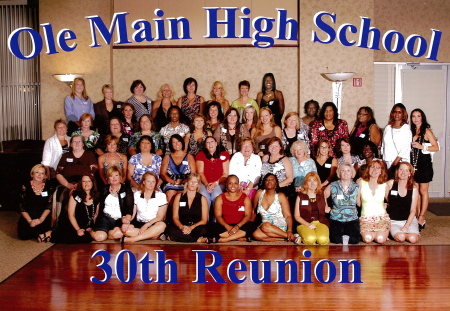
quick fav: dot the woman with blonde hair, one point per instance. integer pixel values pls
(106, 109)
(294, 130)
(264, 130)
(150, 207)
(190, 214)
(250, 118)
(310, 210)
(218, 95)
(161, 106)
(77, 103)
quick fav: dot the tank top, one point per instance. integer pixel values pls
(372, 204)
(399, 207)
(107, 166)
(233, 211)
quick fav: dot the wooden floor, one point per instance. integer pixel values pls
(394, 277)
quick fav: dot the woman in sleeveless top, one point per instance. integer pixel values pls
(365, 129)
(191, 103)
(214, 115)
(294, 129)
(218, 95)
(230, 132)
(190, 214)
(326, 164)
(374, 221)
(195, 139)
(273, 208)
(161, 106)
(232, 211)
(142, 104)
(344, 152)
(244, 100)
(264, 130)
(271, 97)
(402, 197)
(112, 158)
(424, 142)
(250, 118)
(310, 210)
(176, 167)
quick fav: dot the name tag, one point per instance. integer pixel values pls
(185, 162)
(69, 160)
(128, 128)
(394, 192)
(85, 103)
(262, 147)
(125, 139)
(305, 202)
(270, 103)
(78, 199)
(327, 165)
(247, 104)
(321, 128)
(119, 106)
(182, 203)
(139, 166)
(224, 130)
(122, 195)
(340, 197)
(44, 194)
(222, 157)
(300, 136)
(241, 209)
(362, 135)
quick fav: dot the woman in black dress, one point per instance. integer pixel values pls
(35, 206)
(424, 143)
(76, 226)
(325, 163)
(271, 97)
(190, 214)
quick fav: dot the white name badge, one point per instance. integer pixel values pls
(122, 195)
(69, 159)
(222, 157)
(44, 194)
(119, 106)
(182, 203)
(394, 192)
(125, 139)
(128, 128)
(327, 165)
(138, 166)
(271, 103)
(241, 209)
(305, 202)
(300, 136)
(340, 197)
(78, 199)
(85, 103)
(262, 147)
(224, 130)
(362, 135)
(247, 104)
(321, 128)
(185, 162)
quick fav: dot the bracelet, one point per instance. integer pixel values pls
(30, 220)
(425, 147)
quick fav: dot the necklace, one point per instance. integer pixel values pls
(268, 95)
(113, 192)
(415, 153)
(37, 190)
(90, 215)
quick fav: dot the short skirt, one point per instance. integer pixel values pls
(374, 223)
(396, 225)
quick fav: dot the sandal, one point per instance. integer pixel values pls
(41, 238)
(47, 238)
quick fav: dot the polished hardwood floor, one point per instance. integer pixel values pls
(393, 277)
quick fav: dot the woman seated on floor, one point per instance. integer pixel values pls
(402, 199)
(232, 210)
(310, 210)
(35, 206)
(190, 214)
(116, 208)
(344, 214)
(76, 226)
(150, 207)
(273, 207)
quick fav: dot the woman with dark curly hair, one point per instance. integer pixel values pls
(328, 126)
(311, 109)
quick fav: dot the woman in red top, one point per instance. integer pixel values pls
(232, 211)
(212, 166)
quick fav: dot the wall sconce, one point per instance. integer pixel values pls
(67, 78)
(337, 78)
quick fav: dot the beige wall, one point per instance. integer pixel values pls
(94, 63)
(317, 58)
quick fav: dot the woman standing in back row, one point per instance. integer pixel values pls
(271, 97)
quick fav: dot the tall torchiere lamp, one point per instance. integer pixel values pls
(337, 78)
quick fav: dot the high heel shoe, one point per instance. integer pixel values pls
(422, 226)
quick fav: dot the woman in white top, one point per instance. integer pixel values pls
(150, 208)
(397, 137)
(55, 146)
(247, 167)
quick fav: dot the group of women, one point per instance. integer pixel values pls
(214, 172)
